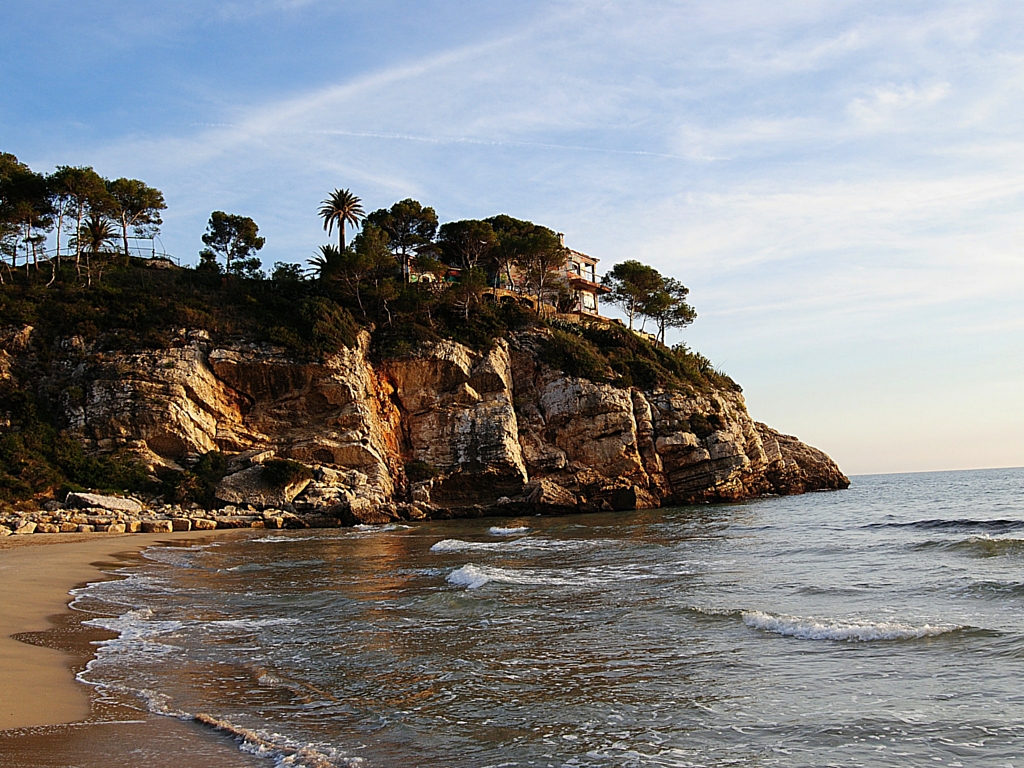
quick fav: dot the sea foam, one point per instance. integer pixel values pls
(848, 631)
(474, 576)
(497, 530)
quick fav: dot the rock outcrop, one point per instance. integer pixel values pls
(445, 432)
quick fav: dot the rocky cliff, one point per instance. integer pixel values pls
(445, 432)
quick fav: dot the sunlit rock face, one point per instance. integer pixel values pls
(447, 431)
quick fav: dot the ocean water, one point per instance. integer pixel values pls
(878, 626)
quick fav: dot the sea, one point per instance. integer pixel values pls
(878, 626)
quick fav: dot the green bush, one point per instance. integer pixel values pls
(197, 484)
(574, 356)
(38, 460)
(284, 472)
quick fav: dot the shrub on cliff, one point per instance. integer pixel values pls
(281, 473)
(615, 354)
(197, 483)
(38, 459)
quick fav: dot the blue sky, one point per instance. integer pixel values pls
(840, 184)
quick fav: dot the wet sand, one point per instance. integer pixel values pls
(47, 718)
(37, 572)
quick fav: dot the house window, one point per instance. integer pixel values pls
(589, 301)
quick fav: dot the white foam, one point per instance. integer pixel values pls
(272, 539)
(458, 545)
(524, 542)
(499, 531)
(848, 631)
(136, 630)
(474, 576)
(248, 623)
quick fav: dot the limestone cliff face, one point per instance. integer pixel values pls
(446, 432)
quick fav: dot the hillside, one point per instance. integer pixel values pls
(206, 389)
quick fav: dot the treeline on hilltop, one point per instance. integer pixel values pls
(404, 276)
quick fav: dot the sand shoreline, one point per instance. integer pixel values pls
(38, 572)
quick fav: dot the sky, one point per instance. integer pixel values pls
(840, 184)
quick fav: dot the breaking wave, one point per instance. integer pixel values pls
(848, 631)
(474, 576)
(497, 530)
(525, 542)
(979, 546)
(964, 524)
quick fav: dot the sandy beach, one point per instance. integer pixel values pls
(37, 686)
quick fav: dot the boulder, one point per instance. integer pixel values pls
(181, 524)
(96, 501)
(363, 512)
(548, 496)
(83, 528)
(157, 526)
(235, 521)
(25, 527)
(116, 528)
(251, 487)
(47, 528)
(5, 531)
(203, 524)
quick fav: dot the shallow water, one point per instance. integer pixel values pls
(879, 626)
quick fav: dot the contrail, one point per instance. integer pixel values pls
(497, 143)
(478, 142)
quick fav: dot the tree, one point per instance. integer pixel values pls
(468, 243)
(355, 268)
(373, 266)
(93, 239)
(235, 239)
(632, 286)
(668, 307)
(410, 229)
(25, 208)
(537, 251)
(78, 191)
(136, 205)
(341, 207)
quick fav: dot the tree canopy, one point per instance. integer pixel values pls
(410, 227)
(134, 204)
(235, 239)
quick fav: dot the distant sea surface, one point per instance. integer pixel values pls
(878, 626)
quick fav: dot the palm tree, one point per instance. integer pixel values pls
(342, 207)
(96, 236)
(326, 262)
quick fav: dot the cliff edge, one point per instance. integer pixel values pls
(443, 432)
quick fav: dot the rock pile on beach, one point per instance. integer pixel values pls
(89, 512)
